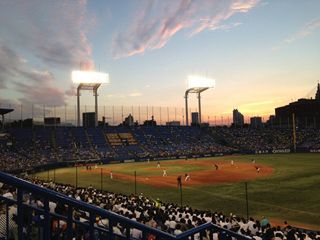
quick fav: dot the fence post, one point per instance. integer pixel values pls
(69, 222)
(20, 214)
(47, 232)
(76, 176)
(91, 225)
(135, 182)
(247, 202)
(101, 179)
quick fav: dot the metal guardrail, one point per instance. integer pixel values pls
(31, 219)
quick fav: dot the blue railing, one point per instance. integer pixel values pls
(37, 222)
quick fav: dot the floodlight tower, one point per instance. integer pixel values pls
(4, 111)
(197, 85)
(89, 81)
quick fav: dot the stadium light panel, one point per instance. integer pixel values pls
(200, 82)
(89, 77)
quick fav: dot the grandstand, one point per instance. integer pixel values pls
(24, 150)
(63, 144)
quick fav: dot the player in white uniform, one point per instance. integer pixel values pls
(158, 164)
(186, 177)
(111, 175)
(164, 173)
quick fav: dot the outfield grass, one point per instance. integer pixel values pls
(292, 193)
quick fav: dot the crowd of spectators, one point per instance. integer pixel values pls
(309, 138)
(167, 217)
(168, 141)
(254, 139)
(35, 147)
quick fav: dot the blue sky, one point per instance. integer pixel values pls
(262, 54)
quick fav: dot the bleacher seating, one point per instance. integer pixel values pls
(32, 147)
(62, 144)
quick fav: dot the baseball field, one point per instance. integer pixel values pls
(282, 187)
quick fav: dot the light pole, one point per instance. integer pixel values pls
(197, 85)
(89, 81)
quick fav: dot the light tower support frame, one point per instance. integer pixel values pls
(88, 86)
(197, 90)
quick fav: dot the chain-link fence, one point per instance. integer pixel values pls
(113, 115)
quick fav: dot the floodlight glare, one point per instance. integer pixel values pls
(200, 82)
(89, 77)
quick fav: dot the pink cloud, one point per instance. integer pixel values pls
(161, 20)
(41, 40)
(55, 32)
(35, 85)
(307, 30)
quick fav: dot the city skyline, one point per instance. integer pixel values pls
(262, 54)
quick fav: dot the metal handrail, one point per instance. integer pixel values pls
(73, 204)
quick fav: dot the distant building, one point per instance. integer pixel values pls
(151, 122)
(306, 111)
(317, 98)
(256, 122)
(52, 121)
(89, 119)
(195, 119)
(103, 122)
(128, 121)
(238, 119)
(271, 121)
(173, 123)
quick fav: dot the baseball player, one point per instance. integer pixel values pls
(179, 181)
(186, 177)
(158, 164)
(164, 173)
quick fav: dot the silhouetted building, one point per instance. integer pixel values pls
(306, 111)
(256, 122)
(151, 122)
(238, 119)
(271, 121)
(103, 123)
(128, 121)
(195, 119)
(173, 123)
(52, 121)
(89, 119)
(318, 93)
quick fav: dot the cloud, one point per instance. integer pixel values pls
(307, 30)
(39, 41)
(72, 91)
(123, 95)
(35, 85)
(39, 88)
(9, 61)
(135, 94)
(267, 102)
(52, 31)
(160, 20)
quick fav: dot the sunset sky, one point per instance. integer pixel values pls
(262, 54)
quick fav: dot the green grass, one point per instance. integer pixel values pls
(292, 193)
